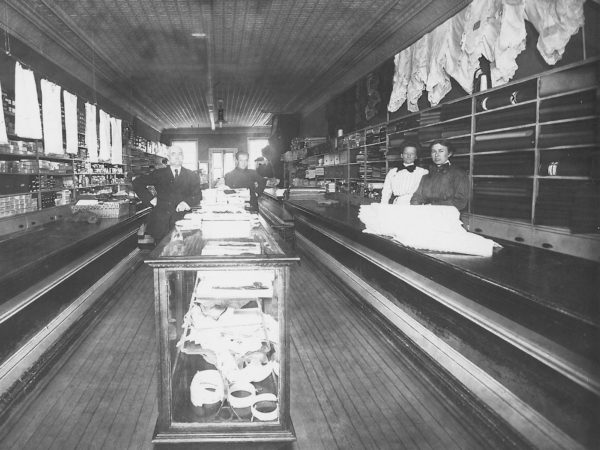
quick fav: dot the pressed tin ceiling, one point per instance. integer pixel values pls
(167, 61)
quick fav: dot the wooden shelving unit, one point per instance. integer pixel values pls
(530, 147)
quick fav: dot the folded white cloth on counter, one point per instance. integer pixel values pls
(28, 123)
(424, 227)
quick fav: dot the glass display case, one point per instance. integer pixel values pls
(223, 336)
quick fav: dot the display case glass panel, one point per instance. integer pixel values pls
(223, 335)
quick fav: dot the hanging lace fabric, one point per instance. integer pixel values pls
(402, 70)
(453, 65)
(510, 42)
(28, 123)
(91, 132)
(482, 26)
(71, 138)
(438, 81)
(3, 136)
(556, 21)
(419, 72)
(52, 122)
(117, 141)
(104, 131)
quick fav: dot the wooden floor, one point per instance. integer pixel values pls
(351, 388)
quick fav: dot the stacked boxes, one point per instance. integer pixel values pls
(17, 204)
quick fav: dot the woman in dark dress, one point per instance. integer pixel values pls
(445, 184)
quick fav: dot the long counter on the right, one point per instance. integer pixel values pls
(527, 319)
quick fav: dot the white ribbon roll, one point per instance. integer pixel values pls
(272, 406)
(241, 401)
(207, 388)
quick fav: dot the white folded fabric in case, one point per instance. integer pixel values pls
(424, 227)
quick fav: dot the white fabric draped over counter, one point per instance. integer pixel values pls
(424, 227)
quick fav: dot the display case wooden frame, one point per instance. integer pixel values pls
(180, 254)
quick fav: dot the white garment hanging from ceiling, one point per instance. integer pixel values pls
(72, 141)
(402, 69)
(438, 81)
(117, 141)
(455, 66)
(53, 142)
(482, 26)
(28, 123)
(556, 21)
(510, 42)
(104, 131)
(3, 136)
(91, 132)
(418, 76)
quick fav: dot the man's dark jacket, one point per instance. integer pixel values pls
(169, 192)
(246, 178)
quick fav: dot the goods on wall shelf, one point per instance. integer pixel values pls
(531, 148)
(32, 180)
(355, 163)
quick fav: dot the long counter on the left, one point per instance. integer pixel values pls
(51, 278)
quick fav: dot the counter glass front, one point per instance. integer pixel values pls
(223, 338)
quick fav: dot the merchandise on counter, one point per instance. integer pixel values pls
(234, 283)
(226, 229)
(425, 227)
(231, 248)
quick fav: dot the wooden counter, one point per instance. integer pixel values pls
(524, 318)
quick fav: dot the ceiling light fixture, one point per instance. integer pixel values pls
(198, 35)
(221, 114)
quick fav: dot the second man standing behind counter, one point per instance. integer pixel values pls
(242, 177)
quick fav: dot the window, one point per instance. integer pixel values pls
(222, 160)
(255, 146)
(190, 153)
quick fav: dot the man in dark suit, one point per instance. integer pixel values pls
(242, 177)
(177, 190)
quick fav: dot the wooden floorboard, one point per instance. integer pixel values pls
(351, 388)
(52, 400)
(93, 380)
